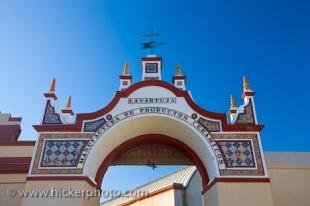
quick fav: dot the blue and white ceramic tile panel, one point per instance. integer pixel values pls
(61, 153)
(58, 153)
(238, 153)
(242, 154)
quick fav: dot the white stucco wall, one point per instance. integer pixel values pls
(193, 191)
(10, 184)
(290, 177)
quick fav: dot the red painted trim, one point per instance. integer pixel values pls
(9, 133)
(234, 179)
(175, 186)
(125, 77)
(57, 128)
(18, 143)
(50, 95)
(62, 178)
(233, 111)
(247, 127)
(126, 92)
(248, 94)
(151, 59)
(153, 139)
(14, 160)
(67, 111)
(14, 165)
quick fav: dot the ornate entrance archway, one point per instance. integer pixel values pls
(76, 150)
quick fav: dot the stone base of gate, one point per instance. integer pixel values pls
(61, 193)
(238, 193)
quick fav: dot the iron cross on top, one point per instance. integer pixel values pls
(151, 44)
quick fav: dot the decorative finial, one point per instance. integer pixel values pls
(245, 84)
(53, 85)
(126, 69)
(232, 102)
(68, 105)
(68, 111)
(178, 70)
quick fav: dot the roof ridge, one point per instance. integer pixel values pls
(163, 177)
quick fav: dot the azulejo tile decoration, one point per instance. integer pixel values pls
(61, 153)
(242, 154)
(211, 126)
(94, 125)
(57, 153)
(238, 153)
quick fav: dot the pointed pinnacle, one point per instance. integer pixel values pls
(68, 105)
(245, 84)
(178, 70)
(126, 69)
(232, 102)
(53, 85)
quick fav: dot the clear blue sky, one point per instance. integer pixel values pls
(85, 43)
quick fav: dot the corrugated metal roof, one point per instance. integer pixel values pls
(182, 176)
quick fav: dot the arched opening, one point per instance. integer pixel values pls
(148, 139)
(150, 124)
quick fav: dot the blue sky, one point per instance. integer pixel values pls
(85, 43)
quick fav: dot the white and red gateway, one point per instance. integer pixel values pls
(151, 121)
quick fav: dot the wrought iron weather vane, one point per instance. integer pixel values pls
(151, 165)
(151, 44)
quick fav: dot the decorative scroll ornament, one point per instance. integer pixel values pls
(50, 115)
(248, 115)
